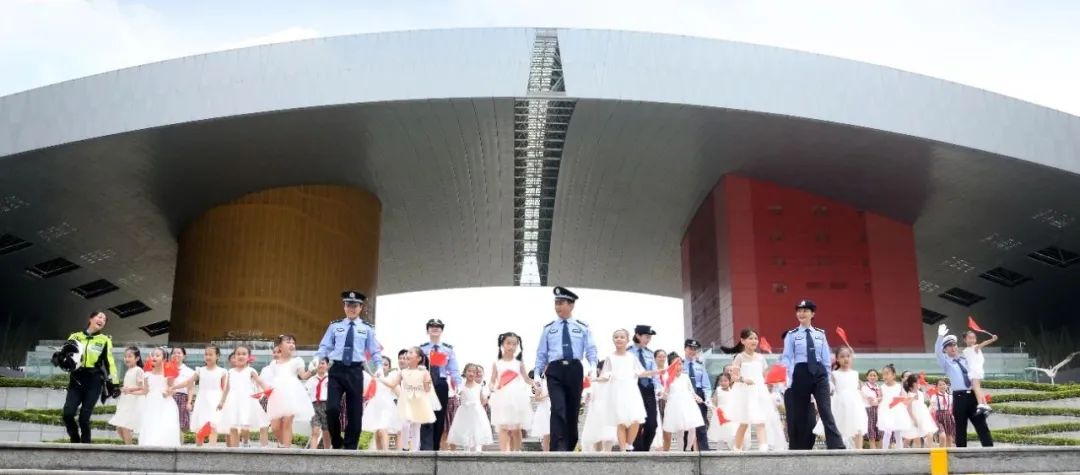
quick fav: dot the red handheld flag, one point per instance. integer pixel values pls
(673, 371)
(764, 345)
(988, 398)
(148, 365)
(369, 391)
(204, 432)
(506, 377)
(585, 384)
(171, 370)
(262, 394)
(843, 336)
(931, 392)
(922, 379)
(974, 326)
(777, 374)
(720, 416)
(896, 400)
(438, 359)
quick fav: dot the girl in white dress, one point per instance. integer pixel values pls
(722, 432)
(848, 405)
(239, 410)
(597, 434)
(625, 408)
(751, 403)
(129, 406)
(924, 427)
(541, 422)
(975, 360)
(661, 401)
(893, 419)
(289, 401)
(160, 425)
(380, 412)
(471, 428)
(681, 413)
(774, 427)
(511, 399)
(211, 379)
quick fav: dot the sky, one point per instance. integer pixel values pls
(1028, 50)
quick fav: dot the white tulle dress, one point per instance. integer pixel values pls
(289, 397)
(511, 405)
(129, 406)
(471, 428)
(624, 404)
(160, 424)
(211, 385)
(241, 411)
(848, 405)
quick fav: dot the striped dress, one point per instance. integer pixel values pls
(872, 392)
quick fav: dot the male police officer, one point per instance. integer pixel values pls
(808, 361)
(431, 434)
(648, 386)
(558, 356)
(699, 377)
(965, 404)
(88, 356)
(347, 343)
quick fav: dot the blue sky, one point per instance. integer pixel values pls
(1027, 50)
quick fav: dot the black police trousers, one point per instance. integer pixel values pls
(84, 389)
(647, 431)
(965, 407)
(803, 385)
(564, 381)
(345, 381)
(431, 434)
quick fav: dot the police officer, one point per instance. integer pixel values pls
(808, 361)
(87, 354)
(649, 387)
(431, 434)
(699, 377)
(965, 404)
(558, 356)
(347, 343)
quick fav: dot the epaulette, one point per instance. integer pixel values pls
(582, 322)
(425, 344)
(818, 329)
(448, 345)
(550, 324)
(793, 330)
(372, 325)
(335, 321)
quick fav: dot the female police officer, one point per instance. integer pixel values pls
(807, 359)
(88, 356)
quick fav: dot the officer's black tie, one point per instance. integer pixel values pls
(646, 382)
(347, 352)
(812, 363)
(963, 370)
(567, 348)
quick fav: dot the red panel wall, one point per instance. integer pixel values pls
(775, 245)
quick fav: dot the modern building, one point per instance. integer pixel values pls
(234, 194)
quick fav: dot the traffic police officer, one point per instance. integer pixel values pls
(699, 377)
(431, 434)
(558, 356)
(347, 343)
(648, 386)
(87, 354)
(809, 362)
(965, 404)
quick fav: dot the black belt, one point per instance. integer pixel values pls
(961, 393)
(348, 365)
(566, 362)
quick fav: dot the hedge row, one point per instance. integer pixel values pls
(189, 438)
(1007, 384)
(32, 383)
(99, 409)
(1036, 411)
(1034, 435)
(37, 417)
(1029, 397)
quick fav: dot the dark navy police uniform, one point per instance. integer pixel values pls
(563, 343)
(809, 362)
(349, 344)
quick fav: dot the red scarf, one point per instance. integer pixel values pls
(943, 402)
(318, 389)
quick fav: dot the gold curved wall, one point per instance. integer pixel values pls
(275, 261)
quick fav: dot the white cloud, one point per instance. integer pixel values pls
(293, 33)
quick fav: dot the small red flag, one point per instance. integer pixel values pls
(720, 416)
(438, 359)
(843, 336)
(171, 370)
(896, 400)
(764, 345)
(369, 392)
(988, 398)
(148, 365)
(931, 392)
(585, 384)
(204, 432)
(262, 394)
(673, 371)
(777, 374)
(922, 379)
(506, 377)
(974, 326)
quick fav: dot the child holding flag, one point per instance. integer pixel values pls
(681, 413)
(511, 398)
(975, 360)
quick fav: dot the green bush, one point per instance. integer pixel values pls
(1003, 384)
(32, 383)
(36, 417)
(1024, 439)
(1045, 396)
(1045, 428)
(99, 409)
(1036, 411)
(189, 438)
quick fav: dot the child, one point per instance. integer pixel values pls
(541, 421)
(661, 402)
(722, 432)
(597, 434)
(129, 406)
(848, 406)
(871, 394)
(239, 411)
(471, 428)
(160, 424)
(414, 394)
(774, 427)
(975, 360)
(511, 409)
(404, 438)
(289, 401)
(625, 407)
(924, 425)
(211, 380)
(180, 394)
(751, 402)
(681, 413)
(942, 404)
(267, 374)
(893, 420)
(380, 412)
(317, 388)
